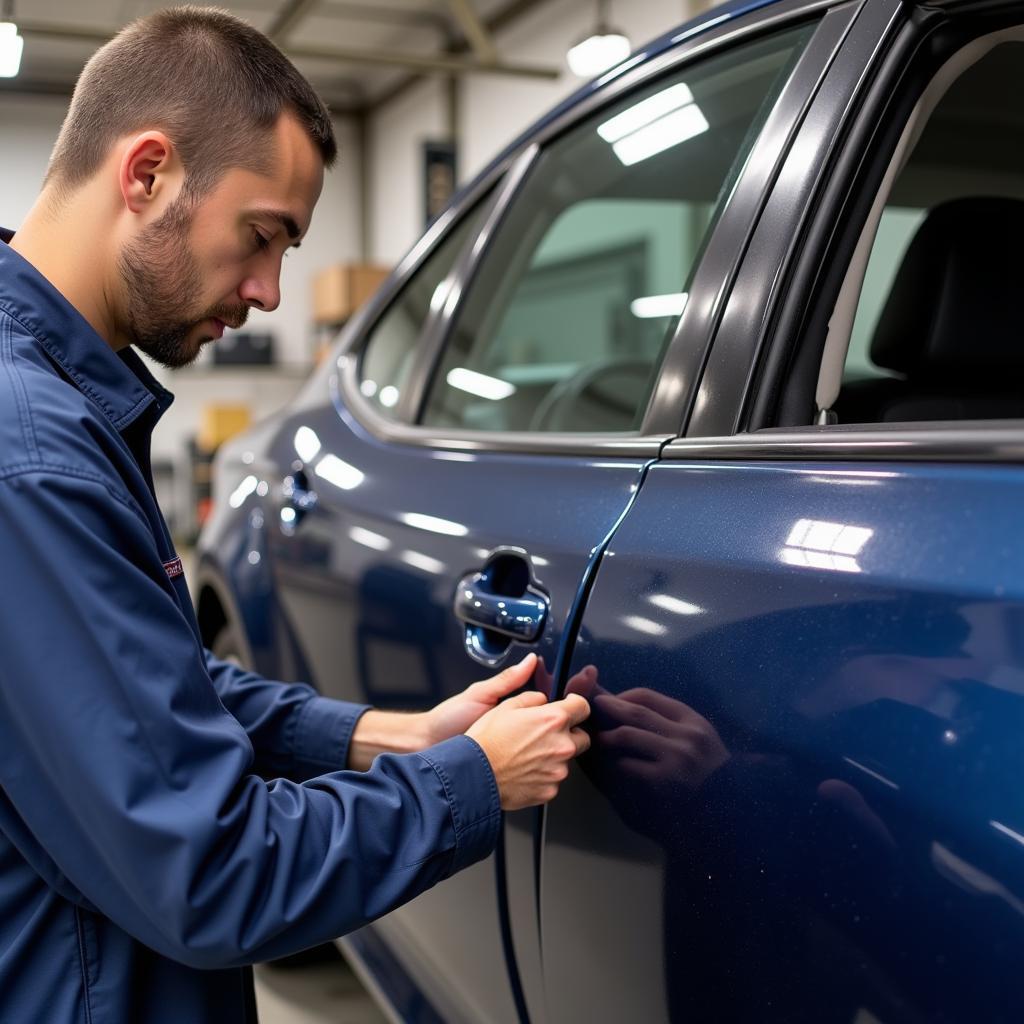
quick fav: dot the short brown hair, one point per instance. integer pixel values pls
(214, 84)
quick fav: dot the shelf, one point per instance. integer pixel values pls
(289, 371)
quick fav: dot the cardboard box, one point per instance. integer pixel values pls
(221, 421)
(342, 288)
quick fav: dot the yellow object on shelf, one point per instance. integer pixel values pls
(221, 421)
(342, 288)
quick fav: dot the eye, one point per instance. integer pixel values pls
(260, 240)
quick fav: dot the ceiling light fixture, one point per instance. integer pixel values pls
(11, 44)
(601, 49)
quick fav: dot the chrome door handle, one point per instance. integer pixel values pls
(499, 605)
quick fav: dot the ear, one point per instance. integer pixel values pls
(150, 174)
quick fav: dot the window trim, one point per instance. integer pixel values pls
(747, 332)
(662, 415)
(978, 441)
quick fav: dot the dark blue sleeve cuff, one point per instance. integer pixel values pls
(472, 794)
(323, 732)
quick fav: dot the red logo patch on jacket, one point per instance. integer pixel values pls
(174, 568)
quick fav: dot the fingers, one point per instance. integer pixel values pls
(577, 708)
(584, 683)
(658, 702)
(581, 739)
(624, 712)
(513, 678)
(529, 699)
(629, 741)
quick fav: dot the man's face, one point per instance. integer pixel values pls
(203, 265)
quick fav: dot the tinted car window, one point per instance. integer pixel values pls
(935, 334)
(391, 343)
(564, 324)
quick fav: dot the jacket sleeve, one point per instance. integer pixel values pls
(294, 732)
(136, 784)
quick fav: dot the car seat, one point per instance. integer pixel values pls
(952, 324)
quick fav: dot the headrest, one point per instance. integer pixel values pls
(956, 306)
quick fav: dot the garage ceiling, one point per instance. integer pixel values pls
(356, 52)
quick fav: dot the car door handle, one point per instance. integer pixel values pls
(499, 605)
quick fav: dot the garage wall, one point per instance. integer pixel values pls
(492, 110)
(395, 136)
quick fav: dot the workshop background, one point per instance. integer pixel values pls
(424, 94)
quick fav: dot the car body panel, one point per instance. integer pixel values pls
(855, 844)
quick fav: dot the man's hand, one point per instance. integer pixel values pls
(393, 732)
(530, 743)
(455, 715)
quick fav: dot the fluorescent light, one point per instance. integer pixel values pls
(434, 524)
(369, 539)
(424, 562)
(11, 47)
(836, 538)
(643, 113)
(597, 53)
(659, 305)
(480, 384)
(642, 625)
(341, 474)
(675, 605)
(242, 491)
(816, 544)
(666, 132)
(307, 444)
(388, 396)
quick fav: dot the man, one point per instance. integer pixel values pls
(166, 818)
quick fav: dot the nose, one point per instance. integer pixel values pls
(261, 292)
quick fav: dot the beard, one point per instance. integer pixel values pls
(161, 278)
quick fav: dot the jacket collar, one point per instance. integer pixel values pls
(118, 382)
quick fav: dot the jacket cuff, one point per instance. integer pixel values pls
(472, 794)
(323, 732)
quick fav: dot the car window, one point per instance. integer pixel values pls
(565, 321)
(936, 331)
(387, 355)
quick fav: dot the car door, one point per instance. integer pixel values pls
(802, 644)
(490, 426)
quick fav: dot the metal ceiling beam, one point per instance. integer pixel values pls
(473, 29)
(421, 63)
(288, 18)
(48, 30)
(35, 87)
(501, 19)
(384, 15)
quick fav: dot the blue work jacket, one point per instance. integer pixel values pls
(165, 818)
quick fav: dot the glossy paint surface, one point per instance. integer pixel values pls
(803, 802)
(365, 579)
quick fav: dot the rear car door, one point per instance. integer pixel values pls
(803, 642)
(492, 420)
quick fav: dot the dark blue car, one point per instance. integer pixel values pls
(710, 391)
